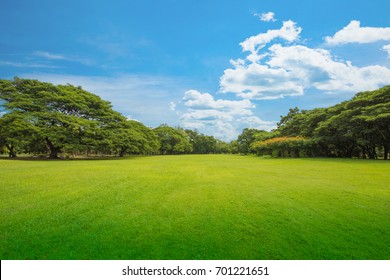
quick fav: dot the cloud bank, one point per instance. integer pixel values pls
(278, 65)
(221, 118)
(354, 33)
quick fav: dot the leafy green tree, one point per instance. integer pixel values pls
(290, 125)
(246, 138)
(372, 121)
(359, 127)
(133, 137)
(173, 141)
(64, 118)
(283, 147)
(202, 144)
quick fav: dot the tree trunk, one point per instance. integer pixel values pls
(11, 151)
(371, 151)
(122, 152)
(386, 152)
(53, 149)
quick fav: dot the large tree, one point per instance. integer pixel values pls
(64, 118)
(359, 127)
(173, 141)
(246, 138)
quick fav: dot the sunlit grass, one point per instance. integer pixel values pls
(195, 207)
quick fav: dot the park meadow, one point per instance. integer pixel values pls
(79, 180)
(195, 207)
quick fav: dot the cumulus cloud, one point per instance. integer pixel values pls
(290, 70)
(267, 17)
(221, 118)
(285, 68)
(196, 100)
(257, 81)
(316, 68)
(354, 33)
(289, 32)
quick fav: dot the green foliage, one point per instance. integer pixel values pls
(41, 117)
(359, 127)
(173, 141)
(246, 138)
(203, 144)
(283, 147)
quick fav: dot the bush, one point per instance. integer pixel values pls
(283, 147)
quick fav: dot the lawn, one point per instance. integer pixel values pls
(195, 207)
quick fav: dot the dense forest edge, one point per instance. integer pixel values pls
(39, 119)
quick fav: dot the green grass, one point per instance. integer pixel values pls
(195, 207)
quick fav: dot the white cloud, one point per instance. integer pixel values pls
(289, 32)
(255, 122)
(195, 99)
(138, 96)
(131, 118)
(387, 49)
(267, 17)
(316, 68)
(222, 118)
(354, 33)
(291, 70)
(257, 81)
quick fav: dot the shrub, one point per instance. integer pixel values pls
(283, 147)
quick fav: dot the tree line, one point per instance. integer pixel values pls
(40, 118)
(357, 128)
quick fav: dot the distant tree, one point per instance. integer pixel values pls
(202, 144)
(173, 141)
(222, 147)
(246, 138)
(283, 147)
(359, 127)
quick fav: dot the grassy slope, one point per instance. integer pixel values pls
(195, 207)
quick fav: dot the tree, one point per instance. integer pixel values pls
(290, 125)
(373, 119)
(133, 137)
(16, 132)
(359, 127)
(173, 141)
(246, 138)
(202, 144)
(64, 117)
(283, 147)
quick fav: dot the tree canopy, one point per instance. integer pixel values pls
(39, 118)
(359, 127)
(42, 117)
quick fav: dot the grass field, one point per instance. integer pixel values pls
(195, 207)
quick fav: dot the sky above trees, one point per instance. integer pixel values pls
(216, 66)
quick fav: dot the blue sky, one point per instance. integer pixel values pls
(216, 66)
